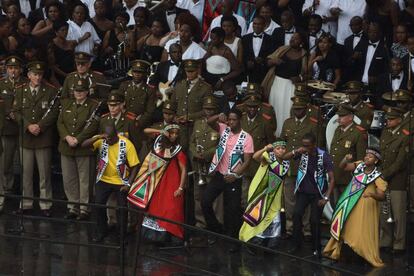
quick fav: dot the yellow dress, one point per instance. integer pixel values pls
(361, 230)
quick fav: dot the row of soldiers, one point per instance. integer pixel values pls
(40, 111)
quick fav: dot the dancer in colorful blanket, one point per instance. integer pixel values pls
(356, 217)
(159, 186)
(262, 215)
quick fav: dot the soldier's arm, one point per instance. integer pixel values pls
(89, 131)
(362, 143)
(193, 143)
(400, 162)
(65, 88)
(52, 116)
(18, 110)
(146, 118)
(63, 132)
(198, 114)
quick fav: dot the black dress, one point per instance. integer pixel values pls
(289, 67)
(150, 53)
(324, 70)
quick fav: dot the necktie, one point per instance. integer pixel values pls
(357, 35)
(258, 36)
(174, 64)
(288, 32)
(171, 12)
(312, 35)
(34, 92)
(397, 77)
(372, 44)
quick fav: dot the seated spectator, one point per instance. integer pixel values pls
(281, 36)
(169, 12)
(267, 13)
(407, 16)
(229, 25)
(399, 47)
(114, 37)
(19, 38)
(141, 27)
(227, 10)
(99, 21)
(148, 47)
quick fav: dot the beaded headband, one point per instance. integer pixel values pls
(279, 144)
(171, 126)
(374, 152)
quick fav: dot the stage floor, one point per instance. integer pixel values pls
(29, 257)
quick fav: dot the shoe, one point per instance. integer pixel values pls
(83, 216)
(234, 248)
(70, 215)
(99, 237)
(46, 213)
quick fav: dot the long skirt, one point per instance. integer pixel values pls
(280, 93)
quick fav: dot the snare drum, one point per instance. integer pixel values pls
(378, 121)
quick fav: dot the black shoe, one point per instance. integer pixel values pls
(234, 248)
(46, 213)
(71, 215)
(99, 237)
(83, 216)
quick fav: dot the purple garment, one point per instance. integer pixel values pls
(308, 185)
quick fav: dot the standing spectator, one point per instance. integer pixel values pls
(281, 36)
(148, 47)
(266, 12)
(315, 31)
(195, 7)
(19, 38)
(322, 8)
(44, 28)
(227, 10)
(5, 31)
(344, 10)
(169, 13)
(82, 31)
(114, 37)
(229, 25)
(407, 16)
(141, 27)
(399, 47)
(100, 22)
(130, 6)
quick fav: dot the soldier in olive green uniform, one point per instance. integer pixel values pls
(139, 101)
(203, 144)
(364, 111)
(349, 138)
(188, 95)
(97, 86)
(36, 115)
(9, 137)
(259, 127)
(293, 130)
(77, 122)
(394, 152)
(265, 109)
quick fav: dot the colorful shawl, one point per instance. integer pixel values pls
(121, 166)
(236, 156)
(320, 175)
(264, 197)
(150, 174)
(350, 197)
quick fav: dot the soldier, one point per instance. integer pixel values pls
(9, 137)
(394, 151)
(139, 100)
(168, 114)
(76, 123)
(2, 118)
(188, 95)
(203, 142)
(364, 110)
(265, 109)
(301, 91)
(293, 130)
(36, 111)
(97, 86)
(349, 138)
(258, 126)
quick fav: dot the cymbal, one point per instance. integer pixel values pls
(335, 97)
(389, 96)
(321, 85)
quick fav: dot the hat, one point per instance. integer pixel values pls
(139, 65)
(81, 85)
(82, 57)
(115, 98)
(299, 102)
(393, 112)
(169, 107)
(210, 102)
(253, 100)
(14, 61)
(345, 109)
(36, 66)
(191, 64)
(253, 87)
(353, 87)
(400, 95)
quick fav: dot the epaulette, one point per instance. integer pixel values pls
(105, 115)
(267, 117)
(98, 73)
(406, 132)
(20, 85)
(313, 120)
(131, 115)
(361, 129)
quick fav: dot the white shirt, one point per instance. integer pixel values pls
(368, 59)
(131, 12)
(91, 7)
(242, 23)
(395, 83)
(269, 30)
(75, 32)
(170, 20)
(356, 40)
(195, 9)
(350, 8)
(401, 4)
(312, 40)
(25, 6)
(411, 57)
(323, 9)
(257, 44)
(194, 51)
(234, 47)
(288, 35)
(172, 72)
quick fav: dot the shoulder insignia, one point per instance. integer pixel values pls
(266, 116)
(313, 120)
(105, 115)
(406, 132)
(361, 129)
(131, 115)
(97, 72)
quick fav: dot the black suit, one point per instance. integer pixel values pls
(385, 85)
(162, 14)
(161, 74)
(406, 64)
(258, 72)
(278, 36)
(349, 73)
